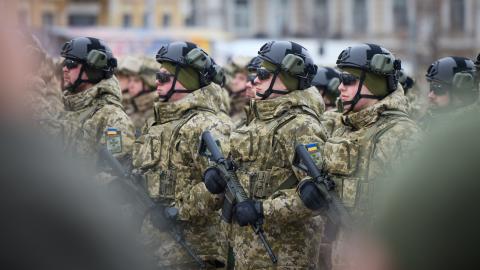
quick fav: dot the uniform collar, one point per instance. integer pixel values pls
(395, 101)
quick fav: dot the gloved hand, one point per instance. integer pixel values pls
(311, 196)
(248, 212)
(213, 180)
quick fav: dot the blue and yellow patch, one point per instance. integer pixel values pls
(314, 150)
(113, 138)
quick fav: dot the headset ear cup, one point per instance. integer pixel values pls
(463, 81)
(333, 84)
(293, 64)
(97, 59)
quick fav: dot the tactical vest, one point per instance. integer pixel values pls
(261, 171)
(153, 154)
(347, 159)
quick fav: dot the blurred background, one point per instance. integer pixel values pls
(416, 31)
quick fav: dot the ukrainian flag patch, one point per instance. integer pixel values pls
(314, 150)
(113, 138)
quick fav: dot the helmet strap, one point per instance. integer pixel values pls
(73, 88)
(270, 89)
(358, 94)
(172, 89)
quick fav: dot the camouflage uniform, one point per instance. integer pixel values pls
(331, 120)
(95, 117)
(167, 153)
(263, 150)
(362, 149)
(140, 107)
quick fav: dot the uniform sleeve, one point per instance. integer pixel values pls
(193, 199)
(114, 129)
(285, 205)
(392, 148)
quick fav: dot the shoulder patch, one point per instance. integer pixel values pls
(314, 150)
(113, 138)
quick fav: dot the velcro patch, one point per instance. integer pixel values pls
(113, 138)
(314, 150)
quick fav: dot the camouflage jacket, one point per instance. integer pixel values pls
(263, 150)
(96, 117)
(167, 154)
(366, 146)
(331, 120)
(140, 108)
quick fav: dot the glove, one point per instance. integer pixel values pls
(248, 212)
(311, 196)
(214, 182)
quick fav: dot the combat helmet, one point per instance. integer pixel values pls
(290, 59)
(95, 56)
(182, 56)
(370, 60)
(328, 80)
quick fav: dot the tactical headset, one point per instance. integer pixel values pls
(370, 58)
(291, 58)
(95, 56)
(186, 54)
(455, 74)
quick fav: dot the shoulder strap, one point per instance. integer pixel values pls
(175, 133)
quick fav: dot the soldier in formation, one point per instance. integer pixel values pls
(278, 101)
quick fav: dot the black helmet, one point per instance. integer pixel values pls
(456, 74)
(252, 66)
(406, 81)
(186, 54)
(373, 59)
(254, 63)
(95, 56)
(328, 79)
(289, 57)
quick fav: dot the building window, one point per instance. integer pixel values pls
(321, 17)
(127, 20)
(241, 14)
(360, 16)
(190, 18)
(457, 15)
(400, 14)
(47, 19)
(167, 20)
(82, 20)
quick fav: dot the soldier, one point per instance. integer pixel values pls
(141, 90)
(167, 154)
(94, 113)
(375, 131)
(237, 85)
(122, 72)
(327, 81)
(286, 113)
(453, 87)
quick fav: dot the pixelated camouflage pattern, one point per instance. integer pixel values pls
(368, 145)
(140, 108)
(417, 103)
(331, 120)
(89, 113)
(237, 108)
(263, 151)
(167, 154)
